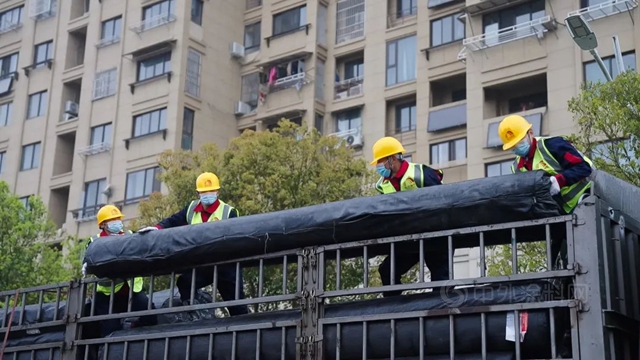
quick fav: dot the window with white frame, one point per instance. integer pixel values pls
(140, 184)
(11, 19)
(111, 30)
(30, 157)
(105, 83)
(6, 111)
(159, 10)
(92, 198)
(498, 168)
(194, 67)
(8, 65)
(43, 53)
(37, 105)
(101, 134)
(319, 79)
(250, 89)
(347, 120)
(154, 66)
(149, 123)
(252, 37)
(289, 21)
(448, 151)
(401, 60)
(3, 156)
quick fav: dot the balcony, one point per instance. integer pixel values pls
(287, 82)
(349, 20)
(448, 116)
(94, 149)
(152, 23)
(534, 116)
(605, 9)
(86, 214)
(537, 27)
(476, 7)
(349, 88)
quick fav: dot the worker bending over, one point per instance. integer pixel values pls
(207, 209)
(396, 174)
(110, 224)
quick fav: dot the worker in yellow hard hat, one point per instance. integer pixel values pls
(569, 169)
(109, 219)
(397, 174)
(207, 208)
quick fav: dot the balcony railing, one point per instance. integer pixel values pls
(447, 116)
(462, 55)
(86, 214)
(153, 22)
(108, 41)
(537, 27)
(348, 88)
(6, 26)
(349, 21)
(94, 149)
(296, 80)
(605, 9)
(534, 116)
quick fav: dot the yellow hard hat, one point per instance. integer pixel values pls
(512, 129)
(207, 182)
(386, 146)
(108, 212)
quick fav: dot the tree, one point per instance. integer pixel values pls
(289, 167)
(27, 257)
(608, 133)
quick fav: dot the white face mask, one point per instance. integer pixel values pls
(114, 227)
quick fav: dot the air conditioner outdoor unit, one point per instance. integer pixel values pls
(237, 50)
(353, 137)
(241, 109)
(71, 107)
(68, 117)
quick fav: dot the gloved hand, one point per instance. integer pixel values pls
(147, 229)
(84, 270)
(555, 188)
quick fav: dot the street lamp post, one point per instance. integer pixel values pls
(586, 39)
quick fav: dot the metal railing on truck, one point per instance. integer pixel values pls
(586, 309)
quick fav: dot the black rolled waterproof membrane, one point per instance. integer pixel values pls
(467, 329)
(518, 197)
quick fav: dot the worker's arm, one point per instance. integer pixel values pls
(431, 176)
(574, 165)
(177, 219)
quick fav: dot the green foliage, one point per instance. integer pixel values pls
(532, 257)
(27, 257)
(261, 172)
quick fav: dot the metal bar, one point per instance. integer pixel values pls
(283, 344)
(547, 237)
(392, 254)
(514, 252)
(214, 290)
(338, 340)
(111, 297)
(452, 339)
(126, 350)
(187, 354)
(421, 334)
(260, 276)
(483, 257)
(365, 264)
(364, 340)
(601, 64)
(150, 302)
(483, 334)
(421, 262)
(172, 284)
(258, 342)
(393, 339)
(40, 299)
(192, 288)
(450, 311)
(450, 254)
(234, 344)
(43, 325)
(516, 326)
(15, 349)
(552, 331)
(285, 274)
(238, 270)
(166, 348)
(24, 306)
(338, 269)
(130, 297)
(36, 288)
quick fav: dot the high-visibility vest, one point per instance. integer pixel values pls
(412, 179)
(543, 160)
(221, 213)
(104, 286)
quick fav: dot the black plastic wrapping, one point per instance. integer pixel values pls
(536, 344)
(51, 353)
(516, 197)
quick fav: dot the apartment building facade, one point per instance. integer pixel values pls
(93, 90)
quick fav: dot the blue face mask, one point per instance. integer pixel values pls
(208, 199)
(114, 227)
(383, 171)
(523, 147)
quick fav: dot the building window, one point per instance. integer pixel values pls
(498, 169)
(406, 117)
(159, 9)
(408, 157)
(512, 16)
(319, 79)
(252, 37)
(25, 202)
(37, 105)
(354, 69)
(30, 157)
(401, 60)
(43, 53)
(322, 25)
(445, 152)
(140, 184)
(101, 134)
(3, 156)
(111, 30)
(406, 8)
(154, 66)
(349, 20)
(93, 198)
(196, 11)
(8, 65)
(250, 89)
(194, 67)
(11, 19)
(188, 119)
(105, 83)
(593, 73)
(446, 30)
(318, 122)
(149, 123)
(6, 112)
(289, 21)
(348, 120)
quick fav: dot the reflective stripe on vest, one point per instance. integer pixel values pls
(543, 160)
(104, 286)
(221, 213)
(411, 180)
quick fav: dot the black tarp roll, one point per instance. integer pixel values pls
(467, 329)
(517, 197)
(51, 353)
